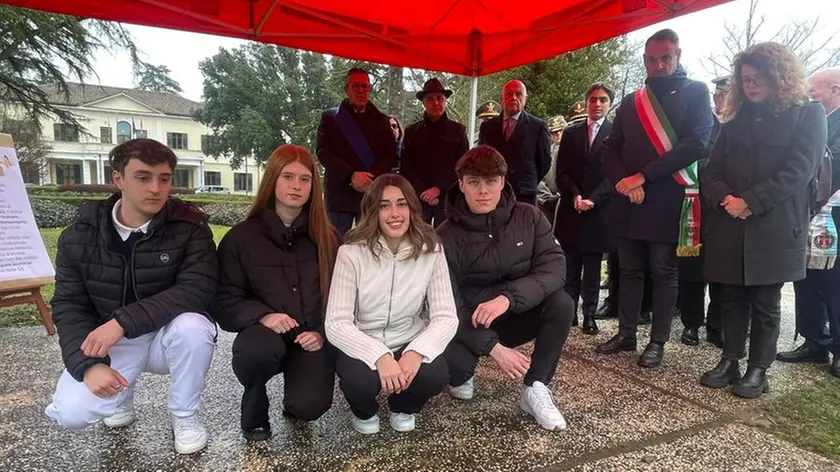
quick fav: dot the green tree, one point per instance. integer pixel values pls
(38, 48)
(30, 146)
(258, 97)
(156, 79)
(554, 85)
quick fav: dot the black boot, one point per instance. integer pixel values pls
(616, 344)
(652, 356)
(589, 325)
(715, 337)
(606, 311)
(835, 366)
(261, 433)
(807, 352)
(753, 384)
(690, 337)
(646, 318)
(727, 372)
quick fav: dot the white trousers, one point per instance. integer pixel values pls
(183, 349)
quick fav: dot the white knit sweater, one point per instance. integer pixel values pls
(374, 306)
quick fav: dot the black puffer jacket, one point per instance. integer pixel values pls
(510, 251)
(174, 267)
(265, 267)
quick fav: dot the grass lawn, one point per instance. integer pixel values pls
(27, 315)
(810, 418)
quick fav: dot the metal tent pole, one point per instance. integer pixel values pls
(473, 108)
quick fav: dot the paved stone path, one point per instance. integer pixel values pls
(621, 418)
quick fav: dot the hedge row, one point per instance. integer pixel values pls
(60, 211)
(101, 191)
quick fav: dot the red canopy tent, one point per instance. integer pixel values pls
(468, 37)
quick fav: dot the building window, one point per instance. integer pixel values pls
(243, 182)
(123, 131)
(205, 143)
(68, 174)
(176, 140)
(141, 133)
(66, 133)
(212, 178)
(181, 178)
(106, 135)
(109, 174)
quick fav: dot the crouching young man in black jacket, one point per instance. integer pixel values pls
(134, 275)
(507, 272)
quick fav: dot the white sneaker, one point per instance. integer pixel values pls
(125, 412)
(190, 436)
(464, 391)
(368, 426)
(402, 422)
(536, 401)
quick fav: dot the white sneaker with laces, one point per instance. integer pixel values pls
(368, 426)
(536, 400)
(125, 412)
(464, 391)
(190, 435)
(402, 422)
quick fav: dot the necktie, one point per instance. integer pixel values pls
(510, 123)
(593, 131)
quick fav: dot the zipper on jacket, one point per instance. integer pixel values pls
(125, 277)
(133, 273)
(390, 297)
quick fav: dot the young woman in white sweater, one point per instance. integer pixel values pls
(390, 271)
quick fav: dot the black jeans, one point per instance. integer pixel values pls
(818, 301)
(756, 310)
(692, 304)
(343, 220)
(586, 287)
(361, 385)
(548, 324)
(633, 258)
(259, 354)
(614, 282)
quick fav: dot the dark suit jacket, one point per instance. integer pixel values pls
(580, 172)
(340, 160)
(527, 153)
(628, 150)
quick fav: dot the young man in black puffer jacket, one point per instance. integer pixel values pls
(507, 273)
(134, 276)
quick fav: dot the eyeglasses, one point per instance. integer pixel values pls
(756, 81)
(360, 87)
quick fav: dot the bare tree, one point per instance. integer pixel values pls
(815, 47)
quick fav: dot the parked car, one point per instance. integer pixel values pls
(212, 189)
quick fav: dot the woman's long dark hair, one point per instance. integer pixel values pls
(321, 232)
(420, 235)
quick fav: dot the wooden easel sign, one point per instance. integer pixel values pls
(25, 265)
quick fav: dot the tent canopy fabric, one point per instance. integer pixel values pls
(468, 37)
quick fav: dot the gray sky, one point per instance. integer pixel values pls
(700, 34)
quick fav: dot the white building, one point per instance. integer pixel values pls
(113, 115)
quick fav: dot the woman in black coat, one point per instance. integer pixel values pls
(275, 268)
(756, 188)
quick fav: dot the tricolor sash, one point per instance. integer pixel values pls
(822, 237)
(663, 137)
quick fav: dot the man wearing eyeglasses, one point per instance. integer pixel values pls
(355, 145)
(523, 140)
(659, 133)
